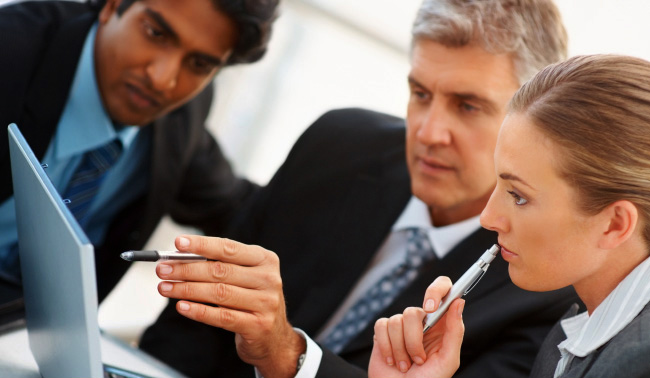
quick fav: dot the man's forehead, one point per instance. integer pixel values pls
(463, 71)
(213, 34)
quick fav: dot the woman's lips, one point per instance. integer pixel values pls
(507, 254)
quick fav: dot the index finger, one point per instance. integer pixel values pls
(223, 250)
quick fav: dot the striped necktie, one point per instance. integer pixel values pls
(88, 177)
(382, 294)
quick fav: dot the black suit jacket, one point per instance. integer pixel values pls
(325, 213)
(189, 178)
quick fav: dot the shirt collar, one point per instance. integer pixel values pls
(443, 239)
(587, 333)
(84, 124)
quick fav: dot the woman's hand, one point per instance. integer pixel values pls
(401, 350)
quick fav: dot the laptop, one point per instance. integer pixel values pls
(58, 272)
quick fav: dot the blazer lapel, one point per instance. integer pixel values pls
(549, 355)
(55, 75)
(166, 134)
(375, 199)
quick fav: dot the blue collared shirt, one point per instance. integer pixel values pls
(84, 126)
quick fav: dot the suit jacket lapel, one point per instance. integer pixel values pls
(549, 355)
(55, 75)
(375, 199)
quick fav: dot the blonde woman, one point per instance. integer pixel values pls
(572, 207)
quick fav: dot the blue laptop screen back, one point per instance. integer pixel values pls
(58, 272)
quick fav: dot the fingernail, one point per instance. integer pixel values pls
(166, 286)
(429, 305)
(390, 361)
(183, 306)
(403, 367)
(165, 269)
(418, 360)
(460, 310)
(183, 242)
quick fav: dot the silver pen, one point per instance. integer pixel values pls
(160, 256)
(464, 284)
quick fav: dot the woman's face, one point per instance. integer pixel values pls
(547, 241)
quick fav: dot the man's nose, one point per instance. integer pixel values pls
(163, 72)
(436, 126)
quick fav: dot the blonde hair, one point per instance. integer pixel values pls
(531, 31)
(597, 109)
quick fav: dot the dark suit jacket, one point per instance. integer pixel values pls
(624, 356)
(325, 213)
(189, 178)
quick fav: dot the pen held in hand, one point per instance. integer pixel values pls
(464, 284)
(160, 256)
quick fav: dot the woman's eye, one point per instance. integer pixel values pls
(519, 200)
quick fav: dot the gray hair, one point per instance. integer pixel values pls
(530, 30)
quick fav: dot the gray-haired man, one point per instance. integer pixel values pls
(354, 211)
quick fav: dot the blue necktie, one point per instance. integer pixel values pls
(88, 177)
(382, 294)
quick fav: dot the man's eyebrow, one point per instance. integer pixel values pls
(211, 59)
(161, 22)
(412, 81)
(512, 177)
(488, 105)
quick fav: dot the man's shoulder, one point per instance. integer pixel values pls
(38, 16)
(26, 31)
(356, 121)
(352, 130)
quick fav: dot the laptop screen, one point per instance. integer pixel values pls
(58, 272)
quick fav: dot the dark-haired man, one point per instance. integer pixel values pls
(82, 80)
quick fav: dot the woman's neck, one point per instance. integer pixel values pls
(619, 264)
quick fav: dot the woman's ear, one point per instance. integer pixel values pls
(620, 220)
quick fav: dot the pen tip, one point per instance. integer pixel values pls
(128, 256)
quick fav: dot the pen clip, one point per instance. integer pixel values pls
(474, 283)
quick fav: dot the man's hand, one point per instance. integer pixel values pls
(244, 281)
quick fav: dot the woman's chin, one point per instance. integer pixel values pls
(526, 281)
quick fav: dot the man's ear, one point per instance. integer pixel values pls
(620, 219)
(109, 8)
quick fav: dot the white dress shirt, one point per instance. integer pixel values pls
(587, 333)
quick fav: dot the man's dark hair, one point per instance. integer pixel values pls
(253, 18)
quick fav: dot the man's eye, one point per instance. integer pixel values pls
(201, 65)
(420, 95)
(519, 200)
(467, 108)
(152, 31)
